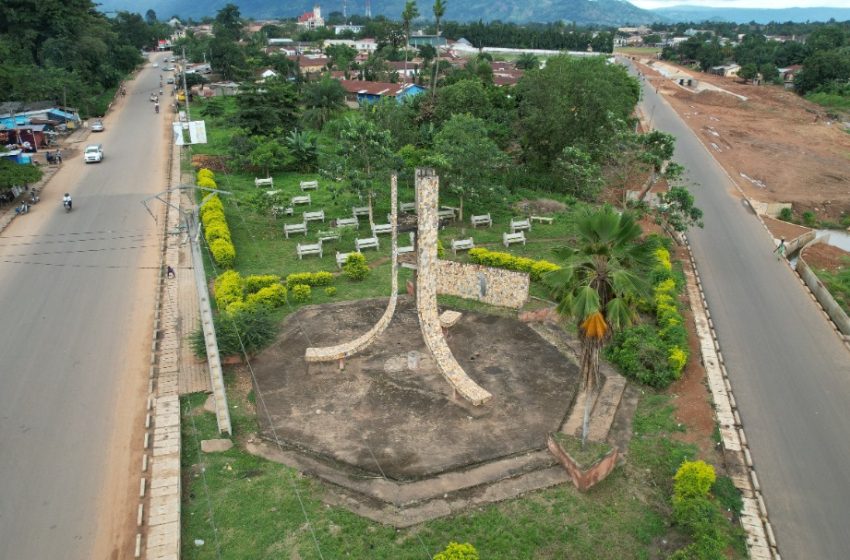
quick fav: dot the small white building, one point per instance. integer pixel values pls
(312, 20)
(340, 29)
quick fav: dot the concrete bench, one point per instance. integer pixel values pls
(309, 185)
(462, 245)
(407, 248)
(378, 229)
(317, 216)
(347, 222)
(482, 220)
(309, 249)
(366, 243)
(301, 200)
(341, 258)
(267, 182)
(409, 207)
(520, 225)
(328, 235)
(455, 210)
(360, 211)
(446, 214)
(511, 238)
(282, 211)
(542, 219)
(273, 193)
(294, 228)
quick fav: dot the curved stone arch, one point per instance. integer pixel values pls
(346, 349)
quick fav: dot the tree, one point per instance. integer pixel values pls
(748, 72)
(227, 58)
(823, 68)
(577, 174)
(410, 13)
(322, 100)
(265, 109)
(468, 159)
(150, 17)
(13, 174)
(228, 23)
(439, 12)
(527, 61)
(268, 154)
(602, 278)
(677, 210)
(341, 56)
(303, 146)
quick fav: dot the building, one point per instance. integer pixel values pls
(310, 64)
(725, 70)
(361, 91)
(312, 20)
(788, 74)
(340, 29)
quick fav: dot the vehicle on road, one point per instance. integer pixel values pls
(66, 202)
(169, 68)
(155, 64)
(93, 153)
(169, 81)
(97, 126)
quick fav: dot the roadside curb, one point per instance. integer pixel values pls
(761, 538)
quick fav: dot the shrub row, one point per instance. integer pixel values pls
(235, 294)
(309, 279)
(697, 513)
(535, 269)
(216, 231)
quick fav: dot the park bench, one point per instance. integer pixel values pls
(328, 235)
(407, 248)
(511, 238)
(341, 258)
(366, 243)
(446, 214)
(482, 220)
(520, 225)
(267, 182)
(347, 222)
(318, 215)
(455, 210)
(462, 245)
(409, 207)
(378, 229)
(294, 228)
(273, 192)
(360, 211)
(542, 219)
(309, 185)
(301, 200)
(309, 249)
(282, 211)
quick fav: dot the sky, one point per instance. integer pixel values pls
(767, 4)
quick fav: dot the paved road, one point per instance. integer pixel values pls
(76, 294)
(789, 371)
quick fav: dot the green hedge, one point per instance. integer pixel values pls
(535, 269)
(234, 294)
(216, 231)
(301, 293)
(309, 279)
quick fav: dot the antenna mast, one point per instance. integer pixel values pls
(369, 8)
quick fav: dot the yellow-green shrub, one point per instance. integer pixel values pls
(212, 205)
(301, 293)
(458, 551)
(223, 252)
(257, 282)
(662, 256)
(693, 480)
(309, 279)
(355, 267)
(272, 296)
(228, 289)
(535, 269)
(216, 230)
(241, 306)
(206, 182)
(330, 291)
(204, 172)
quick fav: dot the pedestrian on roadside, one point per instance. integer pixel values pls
(780, 249)
(169, 272)
(59, 155)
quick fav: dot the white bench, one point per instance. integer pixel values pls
(309, 185)
(294, 228)
(341, 258)
(520, 225)
(407, 207)
(482, 220)
(301, 200)
(272, 193)
(455, 210)
(366, 243)
(446, 214)
(309, 249)
(347, 222)
(329, 235)
(316, 216)
(378, 229)
(510, 238)
(543, 219)
(407, 248)
(462, 245)
(267, 182)
(282, 211)
(360, 211)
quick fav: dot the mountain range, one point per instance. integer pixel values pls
(582, 12)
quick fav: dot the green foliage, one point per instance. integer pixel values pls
(786, 215)
(301, 293)
(578, 174)
(273, 106)
(441, 250)
(309, 279)
(272, 296)
(228, 289)
(458, 551)
(362, 152)
(330, 291)
(235, 294)
(323, 100)
(677, 209)
(838, 283)
(809, 218)
(257, 282)
(304, 149)
(223, 252)
(727, 495)
(355, 267)
(694, 479)
(535, 269)
(216, 230)
(255, 329)
(13, 174)
(204, 173)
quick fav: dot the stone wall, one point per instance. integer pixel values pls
(427, 187)
(493, 286)
(821, 293)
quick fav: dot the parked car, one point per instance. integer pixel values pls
(93, 153)
(169, 68)
(97, 126)
(169, 81)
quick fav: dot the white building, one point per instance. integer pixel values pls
(312, 20)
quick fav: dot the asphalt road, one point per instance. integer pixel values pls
(789, 371)
(76, 295)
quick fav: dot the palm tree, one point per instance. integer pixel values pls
(410, 13)
(602, 278)
(322, 100)
(439, 12)
(527, 61)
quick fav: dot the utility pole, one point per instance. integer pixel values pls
(185, 90)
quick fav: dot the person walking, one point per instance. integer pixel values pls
(169, 272)
(780, 249)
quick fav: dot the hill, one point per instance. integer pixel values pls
(746, 15)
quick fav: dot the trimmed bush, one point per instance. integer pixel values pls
(271, 296)
(228, 289)
(212, 205)
(458, 551)
(223, 252)
(693, 480)
(205, 173)
(310, 279)
(206, 182)
(640, 353)
(216, 230)
(535, 269)
(257, 282)
(330, 291)
(355, 267)
(441, 251)
(301, 293)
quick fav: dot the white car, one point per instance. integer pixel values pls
(93, 153)
(155, 64)
(97, 126)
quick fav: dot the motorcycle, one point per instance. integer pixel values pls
(156, 107)
(67, 205)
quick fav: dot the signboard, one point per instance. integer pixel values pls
(193, 132)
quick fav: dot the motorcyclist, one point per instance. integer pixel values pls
(156, 107)
(66, 201)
